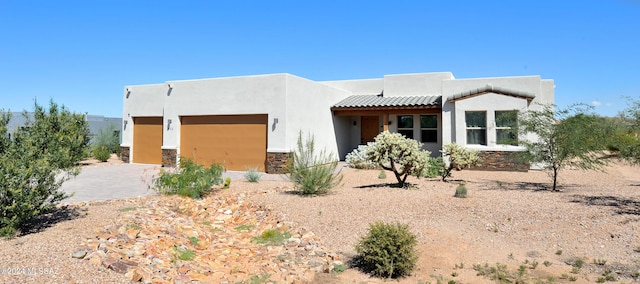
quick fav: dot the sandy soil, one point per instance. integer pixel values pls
(508, 218)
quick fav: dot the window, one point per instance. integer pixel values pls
(405, 125)
(476, 127)
(429, 128)
(505, 127)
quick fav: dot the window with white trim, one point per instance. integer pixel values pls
(476, 122)
(506, 127)
(429, 128)
(405, 125)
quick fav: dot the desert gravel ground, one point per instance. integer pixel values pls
(509, 218)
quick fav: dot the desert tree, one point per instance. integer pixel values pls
(562, 138)
(35, 160)
(399, 154)
(624, 136)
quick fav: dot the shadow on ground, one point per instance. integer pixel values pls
(391, 185)
(46, 220)
(623, 206)
(531, 186)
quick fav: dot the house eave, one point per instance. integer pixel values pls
(490, 89)
(346, 111)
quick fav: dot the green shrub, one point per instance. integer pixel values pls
(252, 175)
(109, 138)
(388, 250)
(461, 191)
(35, 161)
(227, 183)
(338, 268)
(191, 179)
(101, 153)
(184, 253)
(244, 227)
(435, 168)
(272, 237)
(311, 172)
(357, 159)
(382, 175)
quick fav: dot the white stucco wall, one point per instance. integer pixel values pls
(453, 113)
(309, 110)
(262, 94)
(358, 87)
(140, 100)
(547, 93)
(487, 103)
(420, 84)
(296, 103)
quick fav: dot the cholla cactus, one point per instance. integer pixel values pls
(459, 158)
(357, 159)
(403, 156)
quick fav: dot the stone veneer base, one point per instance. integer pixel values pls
(501, 161)
(277, 162)
(169, 158)
(124, 154)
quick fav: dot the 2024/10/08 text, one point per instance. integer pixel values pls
(28, 270)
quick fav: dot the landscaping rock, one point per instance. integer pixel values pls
(81, 253)
(180, 240)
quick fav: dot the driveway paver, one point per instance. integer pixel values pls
(110, 182)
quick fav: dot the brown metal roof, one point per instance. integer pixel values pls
(378, 101)
(491, 89)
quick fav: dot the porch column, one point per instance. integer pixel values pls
(385, 121)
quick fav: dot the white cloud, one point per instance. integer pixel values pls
(596, 103)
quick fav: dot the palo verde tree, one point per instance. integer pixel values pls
(35, 160)
(564, 138)
(401, 155)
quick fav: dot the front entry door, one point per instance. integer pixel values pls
(369, 129)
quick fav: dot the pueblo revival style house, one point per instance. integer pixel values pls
(253, 121)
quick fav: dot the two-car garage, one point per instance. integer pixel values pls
(239, 142)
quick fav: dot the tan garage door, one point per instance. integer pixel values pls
(236, 141)
(147, 140)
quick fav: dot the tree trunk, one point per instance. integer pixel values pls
(555, 178)
(399, 178)
(404, 179)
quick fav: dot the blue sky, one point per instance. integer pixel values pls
(82, 53)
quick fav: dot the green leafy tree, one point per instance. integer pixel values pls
(624, 134)
(459, 158)
(312, 172)
(401, 155)
(36, 160)
(565, 138)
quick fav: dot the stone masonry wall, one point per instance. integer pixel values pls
(169, 158)
(277, 162)
(500, 161)
(124, 154)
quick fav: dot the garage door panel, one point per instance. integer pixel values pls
(237, 141)
(147, 140)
